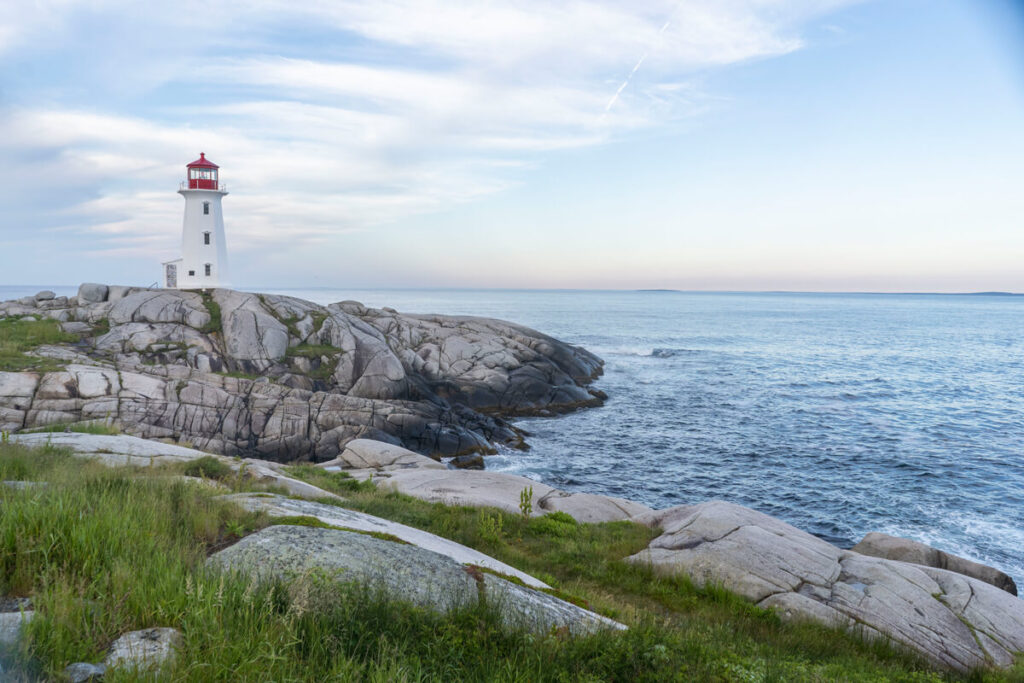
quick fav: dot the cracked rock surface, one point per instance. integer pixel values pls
(955, 621)
(279, 378)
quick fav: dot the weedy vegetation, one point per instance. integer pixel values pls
(18, 336)
(105, 550)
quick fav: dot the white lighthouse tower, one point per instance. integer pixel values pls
(204, 254)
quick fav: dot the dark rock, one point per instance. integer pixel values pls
(467, 462)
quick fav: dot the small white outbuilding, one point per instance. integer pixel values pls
(204, 253)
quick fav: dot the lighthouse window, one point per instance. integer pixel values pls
(206, 238)
(191, 273)
(209, 270)
(206, 212)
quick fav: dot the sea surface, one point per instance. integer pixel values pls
(839, 413)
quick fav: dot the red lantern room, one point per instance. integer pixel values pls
(202, 174)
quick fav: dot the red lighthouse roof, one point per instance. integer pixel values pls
(202, 162)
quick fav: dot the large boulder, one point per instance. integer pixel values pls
(906, 550)
(953, 620)
(405, 572)
(92, 293)
(279, 506)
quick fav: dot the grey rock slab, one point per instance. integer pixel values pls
(160, 306)
(92, 293)
(953, 620)
(278, 506)
(45, 295)
(590, 507)
(406, 572)
(379, 455)
(257, 472)
(540, 612)
(10, 625)
(907, 550)
(119, 444)
(251, 333)
(144, 649)
(467, 487)
(749, 552)
(83, 672)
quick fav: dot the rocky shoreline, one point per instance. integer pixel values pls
(284, 379)
(382, 395)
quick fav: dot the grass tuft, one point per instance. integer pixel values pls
(19, 336)
(208, 467)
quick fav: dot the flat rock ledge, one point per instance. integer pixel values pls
(123, 450)
(405, 572)
(279, 378)
(955, 621)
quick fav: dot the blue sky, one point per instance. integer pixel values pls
(758, 144)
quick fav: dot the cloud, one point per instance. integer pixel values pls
(341, 116)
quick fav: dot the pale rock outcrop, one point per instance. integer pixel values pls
(160, 306)
(92, 293)
(466, 487)
(367, 455)
(123, 450)
(905, 550)
(591, 507)
(149, 648)
(953, 620)
(253, 338)
(11, 624)
(405, 572)
(17, 389)
(278, 506)
(329, 374)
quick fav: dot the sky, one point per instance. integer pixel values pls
(806, 145)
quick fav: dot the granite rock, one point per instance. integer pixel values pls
(953, 620)
(405, 572)
(905, 550)
(148, 648)
(315, 377)
(278, 506)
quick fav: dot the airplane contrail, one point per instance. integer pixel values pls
(625, 83)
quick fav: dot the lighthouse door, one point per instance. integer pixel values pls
(172, 276)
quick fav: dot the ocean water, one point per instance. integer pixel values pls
(838, 413)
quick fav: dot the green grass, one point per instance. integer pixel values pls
(208, 467)
(90, 427)
(103, 551)
(19, 336)
(317, 352)
(213, 308)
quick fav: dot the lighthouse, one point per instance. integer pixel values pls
(204, 254)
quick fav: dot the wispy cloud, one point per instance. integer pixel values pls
(332, 117)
